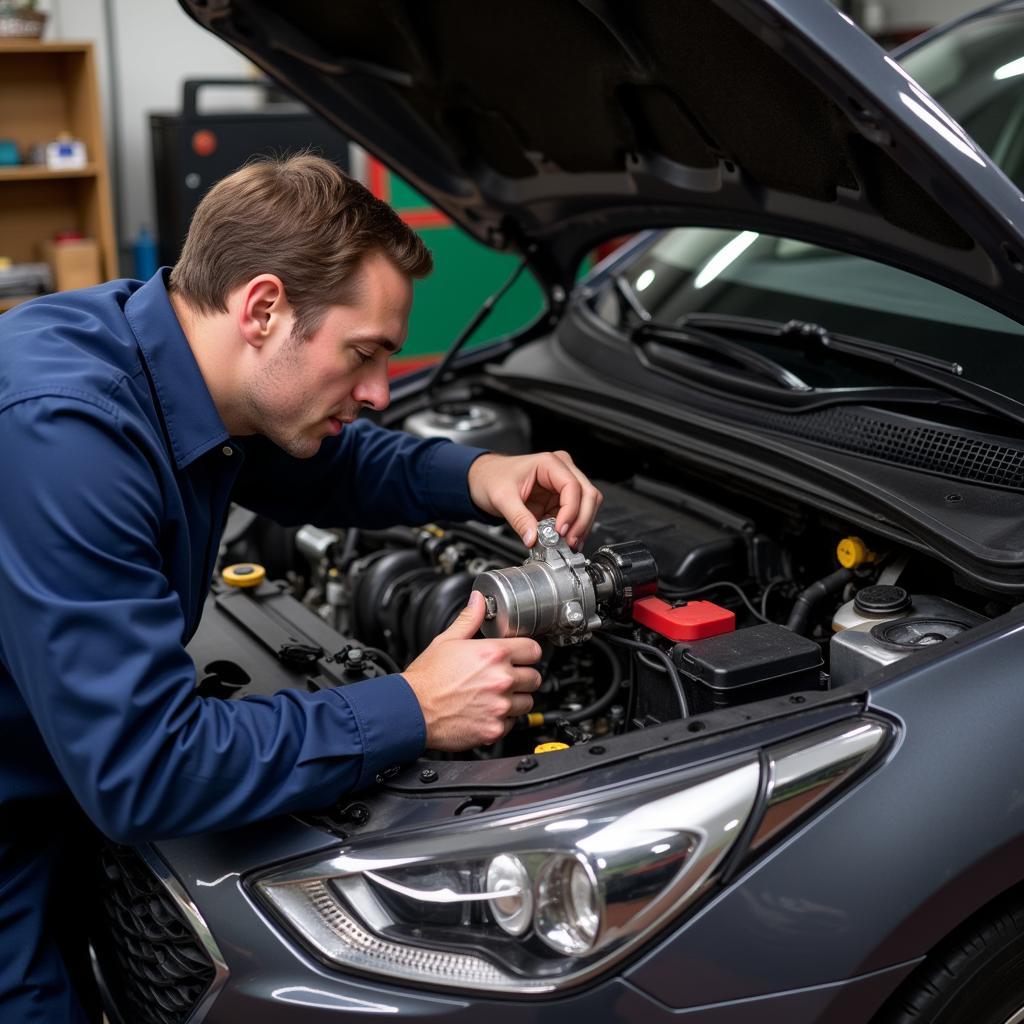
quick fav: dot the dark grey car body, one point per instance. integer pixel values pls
(828, 923)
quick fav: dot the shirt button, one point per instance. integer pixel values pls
(228, 450)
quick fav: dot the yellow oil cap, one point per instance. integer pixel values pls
(852, 553)
(546, 748)
(244, 574)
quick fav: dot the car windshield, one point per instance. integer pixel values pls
(976, 70)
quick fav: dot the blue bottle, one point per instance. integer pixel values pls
(145, 254)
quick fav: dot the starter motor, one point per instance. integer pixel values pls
(561, 595)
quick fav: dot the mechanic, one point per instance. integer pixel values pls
(131, 414)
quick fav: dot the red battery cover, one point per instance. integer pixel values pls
(694, 620)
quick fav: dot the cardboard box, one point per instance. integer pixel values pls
(75, 264)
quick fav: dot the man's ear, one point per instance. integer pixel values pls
(264, 310)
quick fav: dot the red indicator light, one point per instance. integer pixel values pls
(204, 142)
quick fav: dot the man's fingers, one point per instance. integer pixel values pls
(521, 650)
(560, 477)
(524, 489)
(590, 498)
(468, 622)
(522, 704)
(522, 520)
(589, 505)
(526, 679)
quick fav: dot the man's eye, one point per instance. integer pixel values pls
(364, 357)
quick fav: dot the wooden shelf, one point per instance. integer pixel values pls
(15, 44)
(35, 172)
(10, 301)
(47, 89)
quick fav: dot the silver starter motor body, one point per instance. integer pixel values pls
(559, 594)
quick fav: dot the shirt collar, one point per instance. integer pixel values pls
(193, 424)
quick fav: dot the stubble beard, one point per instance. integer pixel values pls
(263, 406)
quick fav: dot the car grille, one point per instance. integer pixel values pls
(907, 442)
(154, 967)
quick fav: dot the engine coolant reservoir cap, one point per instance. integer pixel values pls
(881, 599)
(244, 574)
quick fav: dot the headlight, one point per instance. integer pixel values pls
(537, 901)
(512, 904)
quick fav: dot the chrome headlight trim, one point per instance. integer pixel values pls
(648, 850)
(806, 770)
(689, 820)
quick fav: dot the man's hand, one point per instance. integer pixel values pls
(471, 691)
(525, 488)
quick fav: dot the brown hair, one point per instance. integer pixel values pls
(297, 217)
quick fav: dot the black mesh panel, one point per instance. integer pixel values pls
(907, 443)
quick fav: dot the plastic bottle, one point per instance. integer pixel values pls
(145, 254)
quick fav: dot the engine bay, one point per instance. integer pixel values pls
(753, 597)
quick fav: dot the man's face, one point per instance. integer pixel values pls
(307, 390)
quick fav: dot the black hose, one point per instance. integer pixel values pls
(676, 594)
(599, 705)
(510, 546)
(813, 595)
(673, 672)
(384, 659)
(348, 550)
(772, 584)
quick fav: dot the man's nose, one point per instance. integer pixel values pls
(375, 391)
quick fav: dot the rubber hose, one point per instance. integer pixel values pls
(813, 595)
(666, 660)
(592, 710)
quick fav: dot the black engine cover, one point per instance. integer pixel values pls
(690, 548)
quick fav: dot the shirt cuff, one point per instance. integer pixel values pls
(448, 473)
(390, 722)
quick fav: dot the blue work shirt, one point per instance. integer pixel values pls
(117, 476)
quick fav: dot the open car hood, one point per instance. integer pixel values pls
(550, 125)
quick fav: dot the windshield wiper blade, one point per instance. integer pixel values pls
(941, 374)
(806, 333)
(880, 351)
(717, 347)
(628, 294)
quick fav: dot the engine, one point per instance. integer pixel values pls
(678, 606)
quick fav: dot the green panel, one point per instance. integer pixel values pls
(465, 273)
(404, 196)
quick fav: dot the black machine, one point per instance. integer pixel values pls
(193, 150)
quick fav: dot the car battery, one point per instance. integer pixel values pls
(746, 665)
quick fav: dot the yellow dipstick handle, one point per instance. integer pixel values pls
(244, 574)
(546, 748)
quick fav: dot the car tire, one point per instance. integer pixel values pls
(976, 976)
